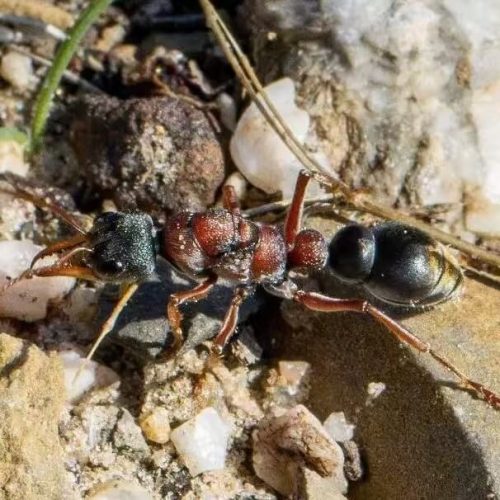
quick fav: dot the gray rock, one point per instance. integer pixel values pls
(128, 438)
(143, 328)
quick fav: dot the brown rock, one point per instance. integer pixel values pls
(31, 402)
(152, 154)
(288, 443)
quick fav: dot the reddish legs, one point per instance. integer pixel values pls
(176, 299)
(323, 303)
(21, 188)
(293, 221)
(230, 320)
(70, 243)
(109, 324)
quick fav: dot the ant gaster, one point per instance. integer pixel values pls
(397, 264)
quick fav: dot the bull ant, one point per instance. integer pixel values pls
(397, 264)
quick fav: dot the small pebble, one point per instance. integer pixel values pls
(17, 69)
(119, 490)
(227, 108)
(92, 375)
(156, 425)
(202, 442)
(27, 300)
(338, 428)
(295, 373)
(287, 442)
(128, 438)
(12, 158)
(374, 390)
(259, 153)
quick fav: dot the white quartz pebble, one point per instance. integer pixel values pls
(338, 428)
(27, 300)
(17, 69)
(12, 157)
(258, 152)
(90, 375)
(202, 442)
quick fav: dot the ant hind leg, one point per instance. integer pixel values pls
(323, 303)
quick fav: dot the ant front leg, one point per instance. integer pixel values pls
(41, 197)
(230, 200)
(323, 303)
(177, 299)
(293, 221)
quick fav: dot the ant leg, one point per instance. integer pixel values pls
(294, 217)
(230, 320)
(323, 303)
(57, 269)
(176, 299)
(22, 189)
(110, 322)
(230, 200)
(108, 326)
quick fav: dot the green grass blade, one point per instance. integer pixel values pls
(62, 58)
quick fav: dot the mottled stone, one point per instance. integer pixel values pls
(288, 442)
(403, 96)
(155, 154)
(31, 403)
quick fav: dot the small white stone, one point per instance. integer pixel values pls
(28, 299)
(227, 108)
(202, 442)
(256, 149)
(92, 375)
(12, 158)
(374, 390)
(156, 425)
(119, 490)
(338, 428)
(17, 69)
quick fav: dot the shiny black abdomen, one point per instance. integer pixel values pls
(410, 268)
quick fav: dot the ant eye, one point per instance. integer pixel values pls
(110, 267)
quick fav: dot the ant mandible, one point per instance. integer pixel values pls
(397, 264)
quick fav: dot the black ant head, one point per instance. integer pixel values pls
(351, 253)
(123, 246)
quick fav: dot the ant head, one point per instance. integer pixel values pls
(352, 253)
(123, 246)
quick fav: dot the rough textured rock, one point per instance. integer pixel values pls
(153, 154)
(288, 442)
(422, 437)
(143, 329)
(403, 96)
(31, 404)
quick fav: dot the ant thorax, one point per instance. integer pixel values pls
(225, 244)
